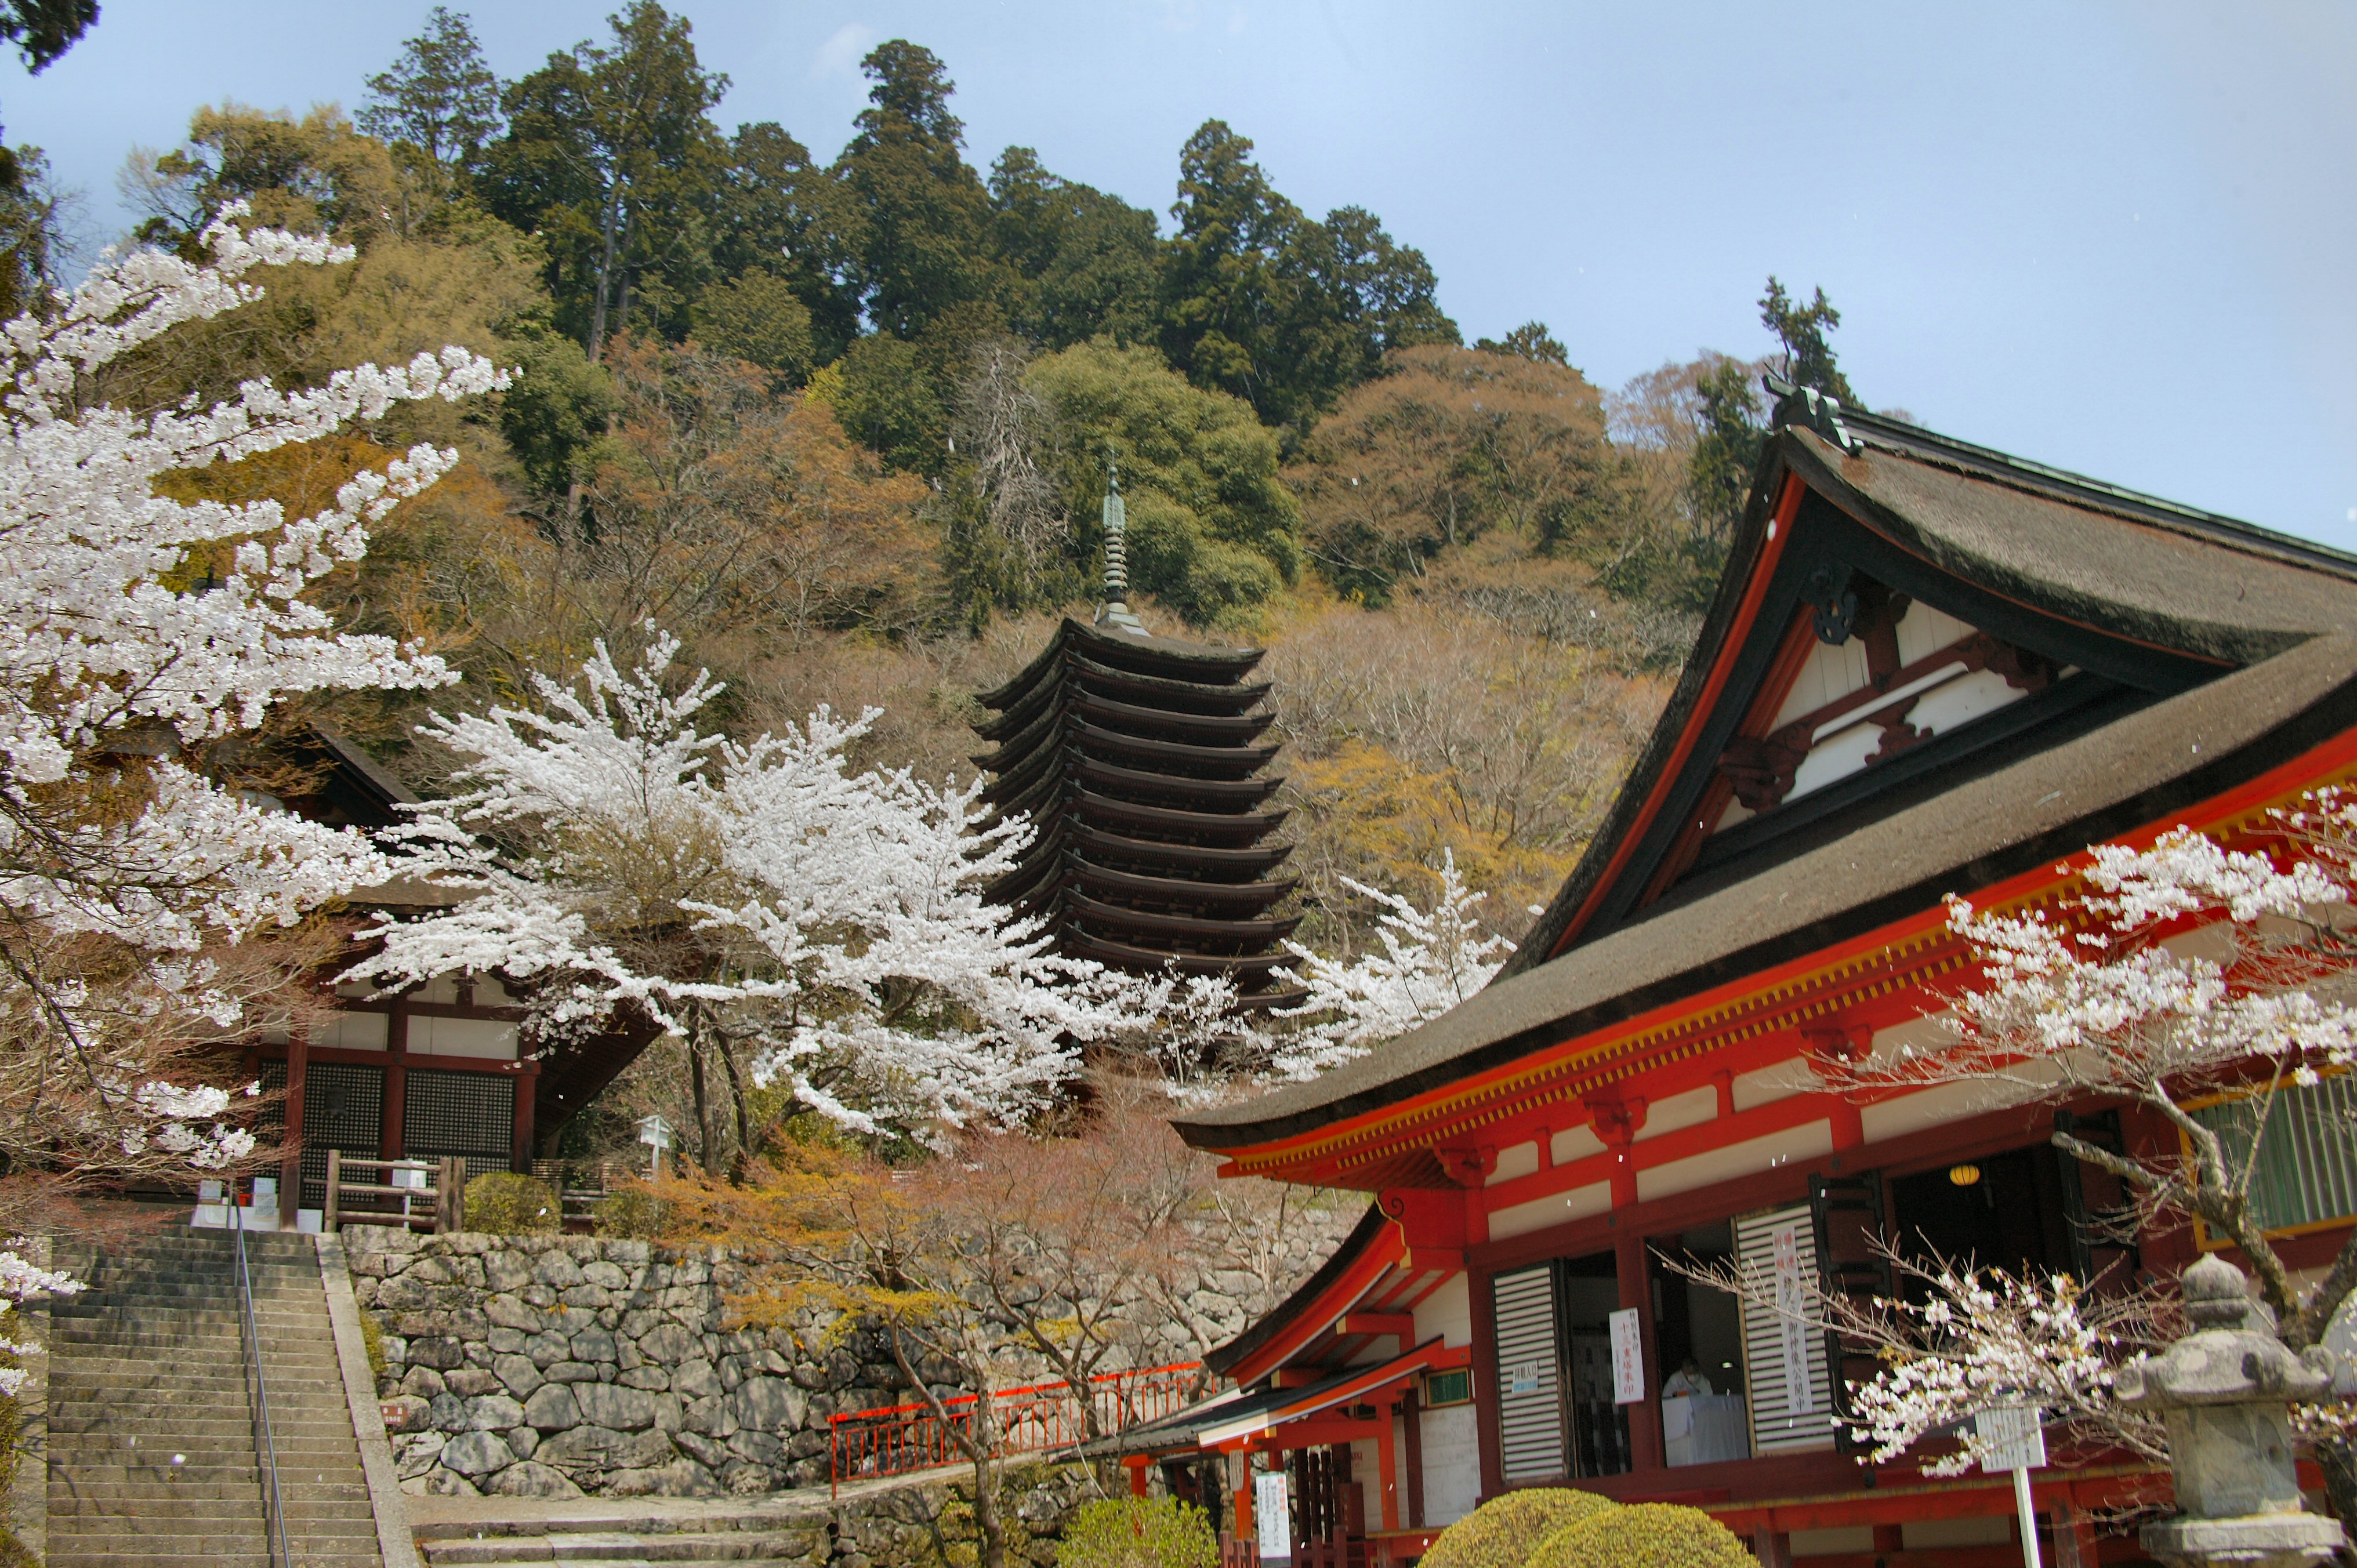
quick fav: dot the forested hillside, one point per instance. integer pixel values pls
(840, 424)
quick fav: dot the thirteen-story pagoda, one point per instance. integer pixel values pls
(1140, 762)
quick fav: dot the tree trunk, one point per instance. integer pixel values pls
(703, 1103)
(989, 1529)
(611, 223)
(743, 1158)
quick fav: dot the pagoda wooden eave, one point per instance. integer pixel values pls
(1236, 830)
(1193, 761)
(1236, 937)
(1232, 866)
(1123, 955)
(1151, 658)
(1069, 695)
(1236, 895)
(1214, 795)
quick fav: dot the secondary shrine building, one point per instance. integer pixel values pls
(430, 1072)
(1930, 668)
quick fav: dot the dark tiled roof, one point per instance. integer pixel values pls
(2195, 586)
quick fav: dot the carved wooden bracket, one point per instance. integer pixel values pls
(1619, 1117)
(1840, 1045)
(1467, 1167)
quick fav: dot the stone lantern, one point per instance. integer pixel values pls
(2225, 1392)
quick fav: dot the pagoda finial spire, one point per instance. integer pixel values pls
(1115, 613)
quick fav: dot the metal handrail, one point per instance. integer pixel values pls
(266, 1446)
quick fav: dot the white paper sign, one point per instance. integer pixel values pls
(2012, 1440)
(1628, 1356)
(1523, 1378)
(1791, 1319)
(1272, 1515)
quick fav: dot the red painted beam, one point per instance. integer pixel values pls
(1402, 1324)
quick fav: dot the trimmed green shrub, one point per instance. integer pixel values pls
(1503, 1531)
(501, 1203)
(631, 1212)
(1644, 1535)
(1138, 1532)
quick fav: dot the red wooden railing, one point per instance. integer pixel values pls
(892, 1440)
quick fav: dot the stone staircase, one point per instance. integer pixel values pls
(151, 1438)
(763, 1537)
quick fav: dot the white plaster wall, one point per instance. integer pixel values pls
(1553, 1209)
(1576, 1144)
(1447, 1311)
(1779, 1081)
(1749, 1158)
(1928, 1108)
(354, 1032)
(486, 1038)
(1996, 1530)
(1691, 1109)
(1521, 1160)
(1452, 1465)
(1847, 1539)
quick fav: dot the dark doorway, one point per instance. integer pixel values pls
(1590, 1288)
(2000, 1211)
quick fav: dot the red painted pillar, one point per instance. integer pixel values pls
(290, 1158)
(527, 1089)
(1484, 1368)
(396, 1081)
(1631, 1265)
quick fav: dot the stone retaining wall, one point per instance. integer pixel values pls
(559, 1366)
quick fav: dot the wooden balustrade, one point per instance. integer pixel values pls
(446, 1187)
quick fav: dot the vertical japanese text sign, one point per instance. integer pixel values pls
(1628, 1356)
(1791, 1316)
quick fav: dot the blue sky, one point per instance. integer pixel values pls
(2120, 238)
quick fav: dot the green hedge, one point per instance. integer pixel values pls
(1504, 1532)
(501, 1203)
(1643, 1535)
(1138, 1532)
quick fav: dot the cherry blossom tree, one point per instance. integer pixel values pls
(1431, 960)
(796, 922)
(2185, 970)
(136, 891)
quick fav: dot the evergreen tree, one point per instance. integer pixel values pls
(1727, 450)
(918, 224)
(611, 156)
(1802, 329)
(1085, 262)
(1532, 341)
(778, 214)
(439, 97)
(1262, 303)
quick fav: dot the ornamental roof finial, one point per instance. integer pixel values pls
(1115, 613)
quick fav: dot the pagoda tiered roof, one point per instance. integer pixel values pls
(1139, 761)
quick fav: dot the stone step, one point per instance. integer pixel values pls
(319, 1515)
(162, 1551)
(104, 1497)
(623, 1547)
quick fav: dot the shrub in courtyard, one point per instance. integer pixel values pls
(501, 1203)
(1138, 1532)
(633, 1212)
(1643, 1535)
(1505, 1530)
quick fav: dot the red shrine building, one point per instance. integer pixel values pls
(1930, 668)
